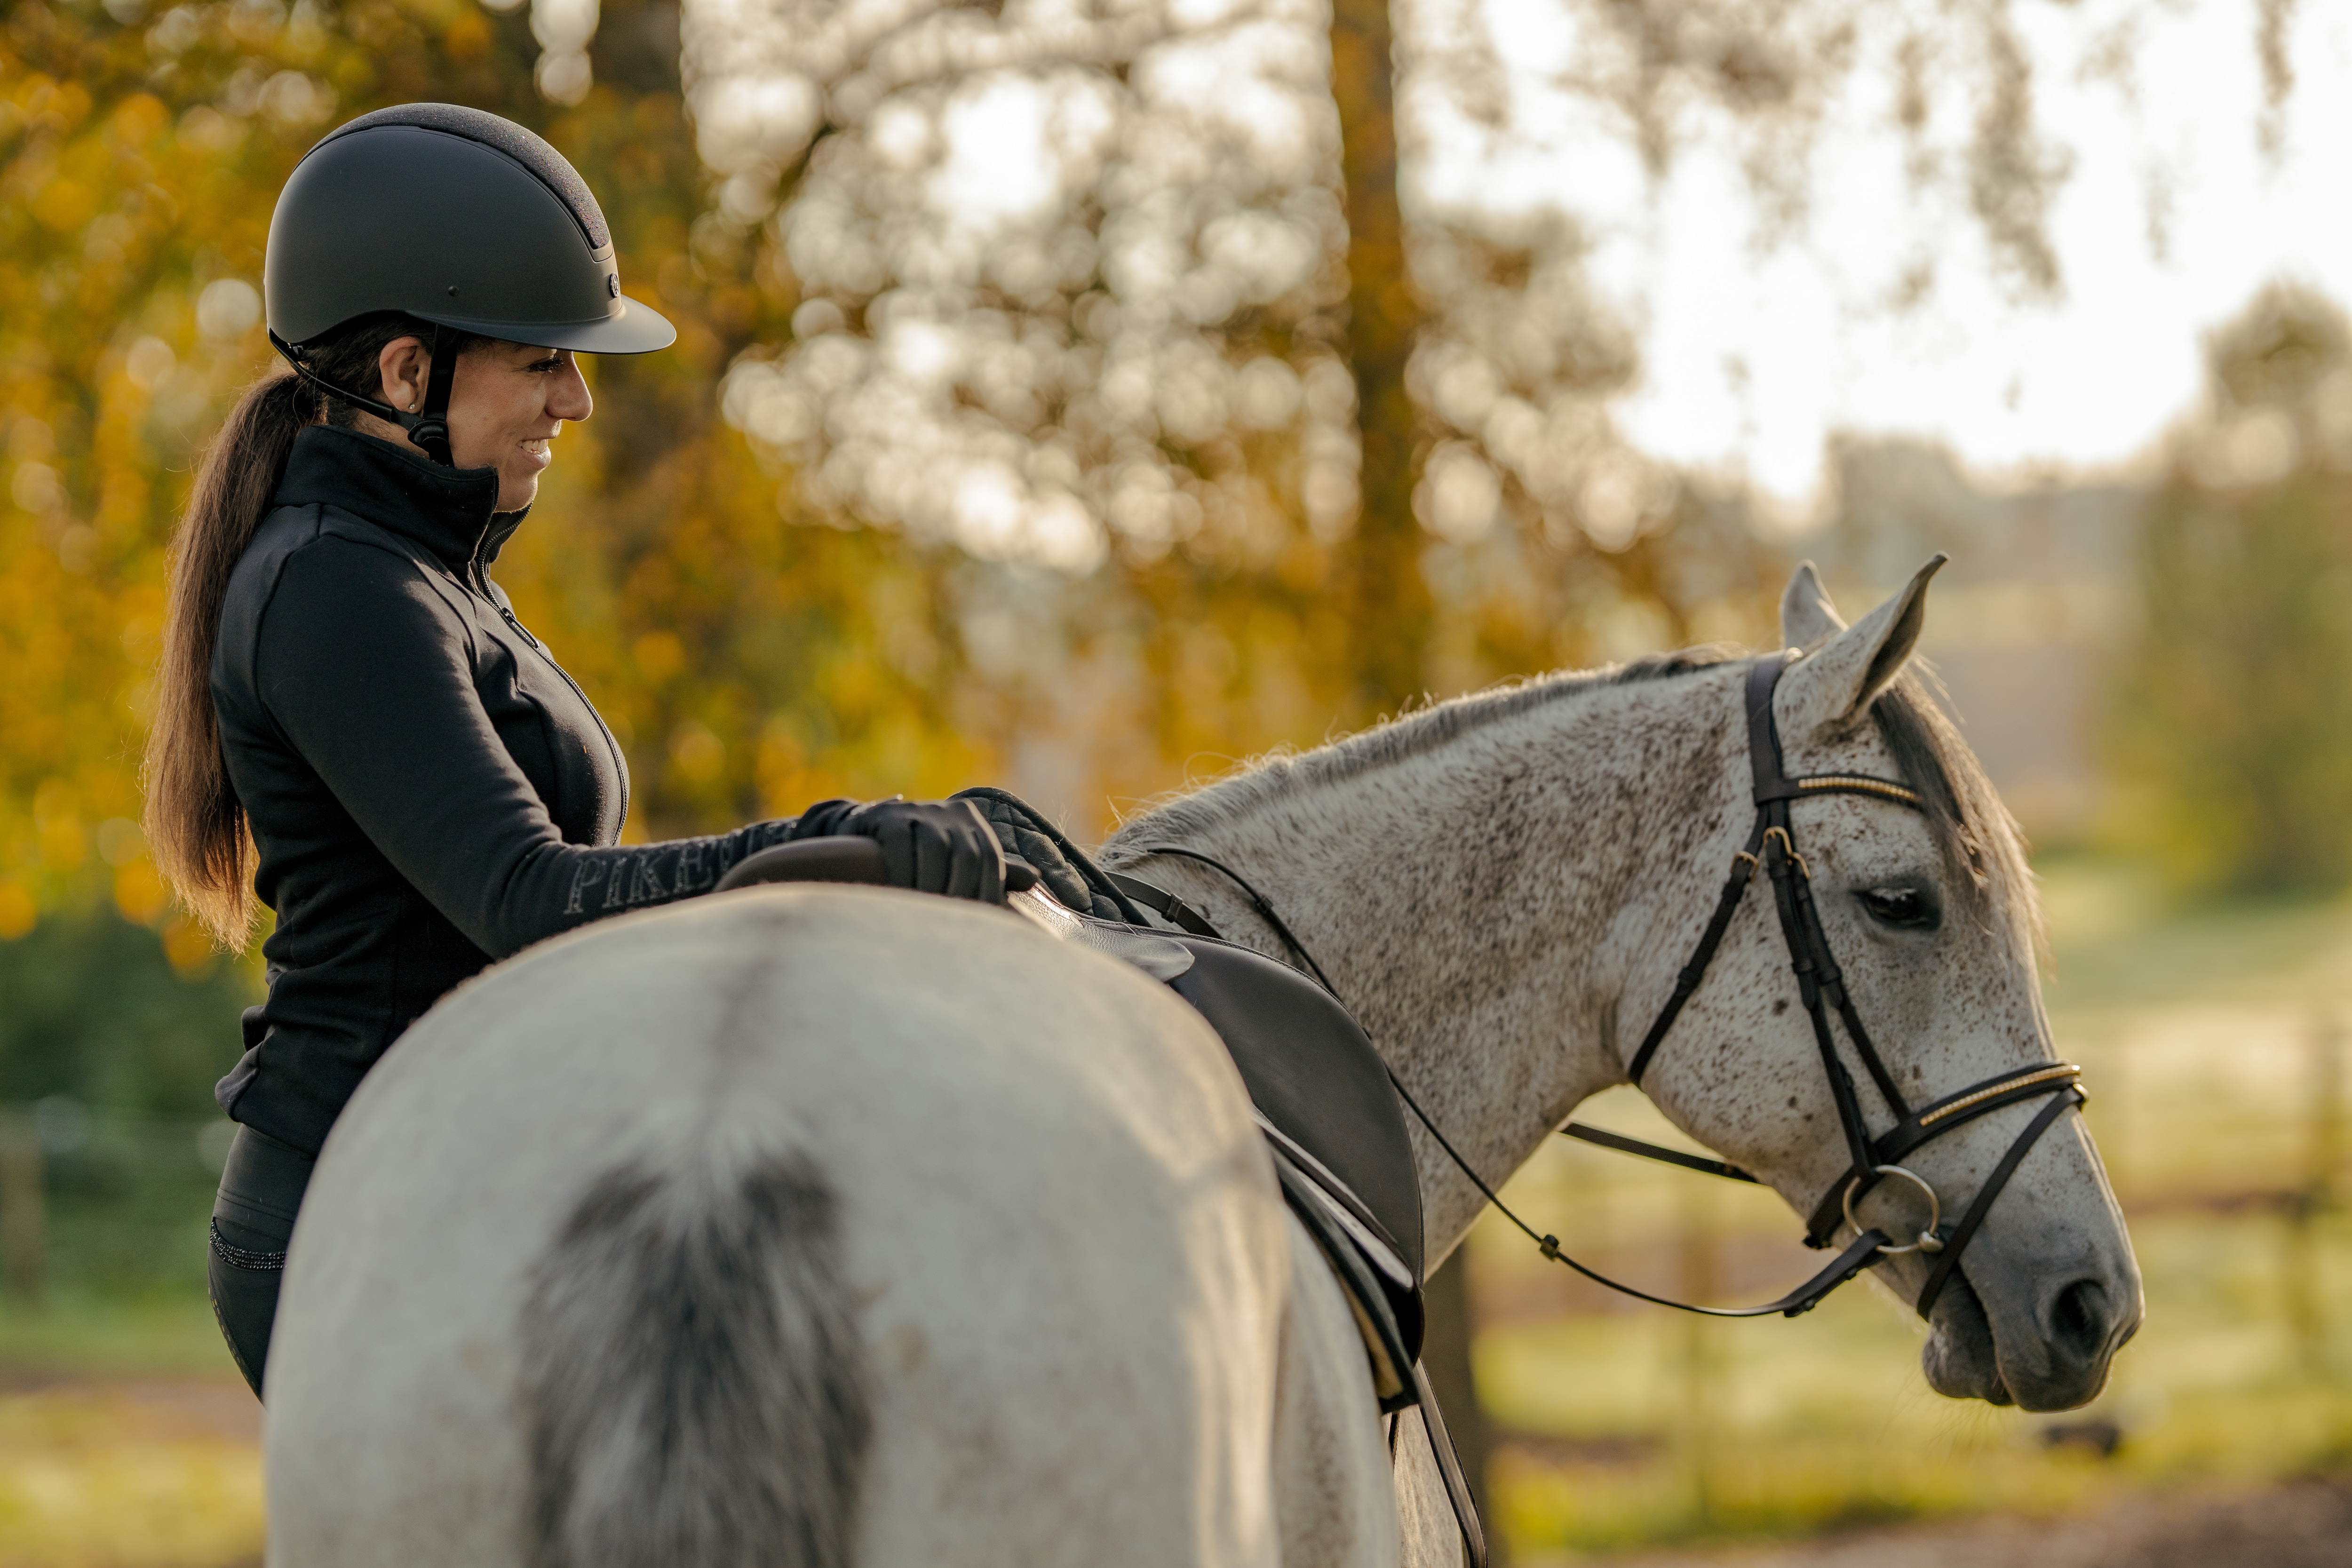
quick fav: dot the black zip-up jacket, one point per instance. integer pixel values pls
(428, 790)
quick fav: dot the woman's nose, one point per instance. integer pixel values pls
(569, 398)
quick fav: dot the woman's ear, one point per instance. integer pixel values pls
(1828, 690)
(404, 367)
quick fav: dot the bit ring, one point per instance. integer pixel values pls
(1929, 1240)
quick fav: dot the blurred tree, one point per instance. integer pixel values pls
(1389, 603)
(2232, 728)
(1122, 287)
(1132, 302)
(95, 1013)
(1041, 291)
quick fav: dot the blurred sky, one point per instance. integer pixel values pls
(2173, 215)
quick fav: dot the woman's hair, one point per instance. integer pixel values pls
(195, 826)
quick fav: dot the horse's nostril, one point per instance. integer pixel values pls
(2078, 1320)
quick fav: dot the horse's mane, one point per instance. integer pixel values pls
(1275, 774)
(1982, 849)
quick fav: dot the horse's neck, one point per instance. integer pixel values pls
(1479, 905)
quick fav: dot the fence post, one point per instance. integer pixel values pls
(1700, 1281)
(2314, 1196)
(2327, 1147)
(23, 1209)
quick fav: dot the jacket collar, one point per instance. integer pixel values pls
(448, 511)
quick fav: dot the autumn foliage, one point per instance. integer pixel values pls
(757, 645)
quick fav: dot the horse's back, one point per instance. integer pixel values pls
(632, 1246)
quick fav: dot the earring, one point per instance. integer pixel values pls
(412, 408)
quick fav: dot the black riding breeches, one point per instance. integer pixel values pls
(253, 1219)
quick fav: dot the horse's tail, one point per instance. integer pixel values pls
(694, 1387)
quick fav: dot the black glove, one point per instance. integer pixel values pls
(932, 846)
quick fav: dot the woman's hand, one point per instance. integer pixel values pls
(933, 846)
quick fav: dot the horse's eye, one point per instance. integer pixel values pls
(1904, 908)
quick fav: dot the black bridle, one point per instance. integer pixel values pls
(1771, 847)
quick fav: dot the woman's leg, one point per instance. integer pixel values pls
(253, 1219)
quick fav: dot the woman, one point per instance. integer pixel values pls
(350, 721)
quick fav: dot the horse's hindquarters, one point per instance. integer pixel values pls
(622, 1249)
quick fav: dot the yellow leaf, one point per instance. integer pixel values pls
(65, 204)
(18, 912)
(140, 894)
(466, 37)
(659, 656)
(188, 946)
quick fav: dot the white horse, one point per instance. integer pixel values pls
(824, 1226)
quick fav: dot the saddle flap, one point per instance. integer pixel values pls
(1315, 1077)
(1372, 1297)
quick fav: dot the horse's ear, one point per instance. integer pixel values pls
(1806, 616)
(1833, 685)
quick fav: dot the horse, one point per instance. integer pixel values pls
(818, 1225)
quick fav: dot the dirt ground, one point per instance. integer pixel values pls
(174, 1406)
(2306, 1524)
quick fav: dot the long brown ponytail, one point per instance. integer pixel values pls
(196, 827)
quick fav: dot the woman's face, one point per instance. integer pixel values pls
(508, 402)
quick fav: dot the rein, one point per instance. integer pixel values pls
(1771, 847)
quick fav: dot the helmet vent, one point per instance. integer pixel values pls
(549, 166)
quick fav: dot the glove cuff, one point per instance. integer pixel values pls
(825, 819)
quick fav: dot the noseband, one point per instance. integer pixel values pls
(1772, 846)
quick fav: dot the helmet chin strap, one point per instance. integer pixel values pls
(428, 429)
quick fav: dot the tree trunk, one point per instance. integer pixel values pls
(1390, 609)
(1389, 601)
(24, 1215)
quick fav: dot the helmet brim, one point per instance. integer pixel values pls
(637, 329)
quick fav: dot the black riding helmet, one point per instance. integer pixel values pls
(459, 219)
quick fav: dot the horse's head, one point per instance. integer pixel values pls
(1929, 913)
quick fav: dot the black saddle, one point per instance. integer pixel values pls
(1326, 1107)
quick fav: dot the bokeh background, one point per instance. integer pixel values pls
(1079, 397)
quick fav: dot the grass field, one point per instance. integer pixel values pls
(125, 1441)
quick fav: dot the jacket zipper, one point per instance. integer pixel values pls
(482, 585)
